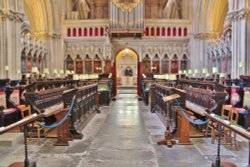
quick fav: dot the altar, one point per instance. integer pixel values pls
(127, 69)
(128, 81)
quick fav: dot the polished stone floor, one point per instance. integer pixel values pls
(124, 135)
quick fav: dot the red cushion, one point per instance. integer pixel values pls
(9, 111)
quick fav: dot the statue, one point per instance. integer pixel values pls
(128, 72)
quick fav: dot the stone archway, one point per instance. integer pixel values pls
(127, 70)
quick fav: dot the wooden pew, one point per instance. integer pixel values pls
(50, 104)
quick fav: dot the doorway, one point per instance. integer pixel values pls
(127, 73)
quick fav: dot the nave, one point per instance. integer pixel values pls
(125, 135)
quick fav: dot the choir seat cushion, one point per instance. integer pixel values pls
(9, 111)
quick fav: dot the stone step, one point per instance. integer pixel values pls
(11, 139)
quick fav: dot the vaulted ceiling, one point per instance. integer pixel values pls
(44, 16)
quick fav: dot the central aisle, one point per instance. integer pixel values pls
(122, 141)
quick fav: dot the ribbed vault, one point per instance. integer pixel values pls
(209, 16)
(43, 16)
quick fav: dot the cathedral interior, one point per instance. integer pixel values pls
(130, 83)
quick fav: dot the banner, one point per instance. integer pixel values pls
(97, 65)
(88, 66)
(79, 67)
(156, 65)
(174, 66)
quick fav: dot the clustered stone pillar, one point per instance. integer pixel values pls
(11, 19)
(240, 18)
(55, 49)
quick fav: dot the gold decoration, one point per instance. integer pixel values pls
(126, 4)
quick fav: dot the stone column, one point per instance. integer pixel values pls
(198, 52)
(55, 57)
(239, 14)
(11, 19)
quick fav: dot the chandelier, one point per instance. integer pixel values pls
(126, 4)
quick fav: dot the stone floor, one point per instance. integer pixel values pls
(124, 135)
